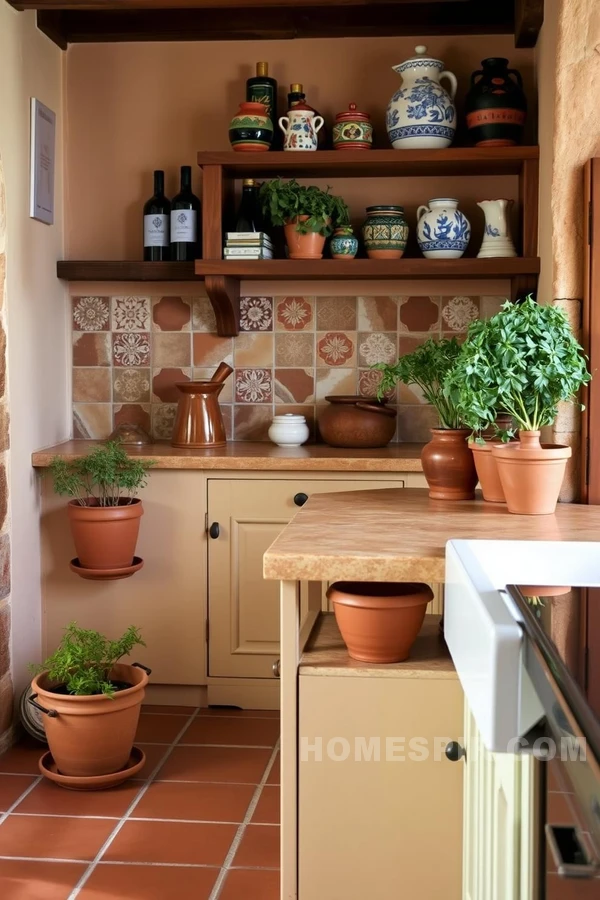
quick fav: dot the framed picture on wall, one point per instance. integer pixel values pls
(43, 142)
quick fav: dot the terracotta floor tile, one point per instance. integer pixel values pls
(171, 842)
(11, 788)
(211, 802)
(53, 838)
(267, 810)
(24, 880)
(23, 757)
(259, 847)
(215, 764)
(159, 729)
(220, 730)
(240, 713)
(251, 884)
(47, 798)
(275, 773)
(168, 710)
(153, 756)
(148, 883)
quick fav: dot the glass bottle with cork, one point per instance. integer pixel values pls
(297, 100)
(263, 89)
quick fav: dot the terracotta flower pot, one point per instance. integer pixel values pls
(303, 246)
(105, 536)
(92, 735)
(531, 473)
(379, 621)
(448, 465)
(487, 472)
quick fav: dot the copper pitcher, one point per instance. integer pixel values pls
(199, 422)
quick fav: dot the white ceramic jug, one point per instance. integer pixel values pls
(421, 114)
(496, 236)
(443, 231)
(300, 129)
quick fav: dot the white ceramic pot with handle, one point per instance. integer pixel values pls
(421, 114)
(443, 231)
(300, 128)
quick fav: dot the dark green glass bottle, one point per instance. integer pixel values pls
(263, 89)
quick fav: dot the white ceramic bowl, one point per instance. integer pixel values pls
(289, 430)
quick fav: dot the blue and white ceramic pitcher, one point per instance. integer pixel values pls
(421, 114)
(443, 231)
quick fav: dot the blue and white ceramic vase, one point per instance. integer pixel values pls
(443, 231)
(421, 114)
(343, 244)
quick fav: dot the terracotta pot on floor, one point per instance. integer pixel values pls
(303, 246)
(92, 735)
(487, 472)
(531, 473)
(379, 621)
(448, 465)
(105, 536)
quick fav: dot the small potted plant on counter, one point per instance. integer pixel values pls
(528, 361)
(104, 512)
(308, 215)
(91, 706)
(447, 461)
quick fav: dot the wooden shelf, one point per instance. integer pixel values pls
(373, 163)
(124, 270)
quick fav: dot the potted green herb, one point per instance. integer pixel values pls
(447, 462)
(524, 361)
(308, 215)
(91, 702)
(104, 511)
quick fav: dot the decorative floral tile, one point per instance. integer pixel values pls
(335, 381)
(489, 306)
(419, 314)
(163, 419)
(210, 349)
(415, 423)
(459, 312)
(256, 313)
(131, 349)
(409, 343)
(296, 349)
(337, 313)
(171, 314)
(91, 385)
(91, 348)
(253, 349)
(203, 315)
(205, 374)
(368, 384)
(133, 414)
(411, 394)
(253, 386)
(91, 313)
(131, 386)
(92, 421)
(377, 314)
(336, 348)
(164, 383)
(131, 313)
(294, 385)
(376, 347)
(295, 314)
(251, 422)
(171, 349)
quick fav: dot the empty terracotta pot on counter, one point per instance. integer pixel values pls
(487, 472)
(379, 621)
(357, 422)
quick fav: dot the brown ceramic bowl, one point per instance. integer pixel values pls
(357, 422)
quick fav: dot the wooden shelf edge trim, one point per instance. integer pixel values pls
(125, 270)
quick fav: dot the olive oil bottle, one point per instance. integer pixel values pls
(263, 89)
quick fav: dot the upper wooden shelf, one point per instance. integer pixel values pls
(124, 270)
(373, 163)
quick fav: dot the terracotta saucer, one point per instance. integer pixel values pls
(106, 574)
(48, 768)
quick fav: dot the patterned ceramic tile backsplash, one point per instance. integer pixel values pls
(130, 352)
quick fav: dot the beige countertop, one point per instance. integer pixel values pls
(400, 534)
(257, 457)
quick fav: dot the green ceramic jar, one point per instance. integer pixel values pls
(385, 232)
(343, 244)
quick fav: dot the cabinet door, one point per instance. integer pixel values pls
(243, 609)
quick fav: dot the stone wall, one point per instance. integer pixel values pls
(6, 685)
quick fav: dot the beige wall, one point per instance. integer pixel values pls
(39, 355)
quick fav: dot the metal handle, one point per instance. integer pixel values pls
(569, 853)
(300, 499)
(141, 666)
(454, 751)
(374, 407)
(277, 668)
(214, 530)
(48, 712)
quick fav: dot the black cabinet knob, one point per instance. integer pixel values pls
(214, 530)
(300, 499)
(454, 751)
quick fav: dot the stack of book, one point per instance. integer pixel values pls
(248, 245)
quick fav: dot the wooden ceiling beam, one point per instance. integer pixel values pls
(204, 4)
(529, 17)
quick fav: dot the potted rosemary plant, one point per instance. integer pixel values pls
(447, 462)
(91, 705)
(104, 512)
(308, 215)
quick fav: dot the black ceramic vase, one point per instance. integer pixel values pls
(496, 106)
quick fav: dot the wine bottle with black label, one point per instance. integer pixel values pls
(157, 244)
(185, 221)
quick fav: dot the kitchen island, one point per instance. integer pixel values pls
(389, 535)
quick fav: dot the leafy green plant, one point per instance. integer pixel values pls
(284, 201)
(427, 367)
(84, 659)
(523, 361)
(107, 476)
